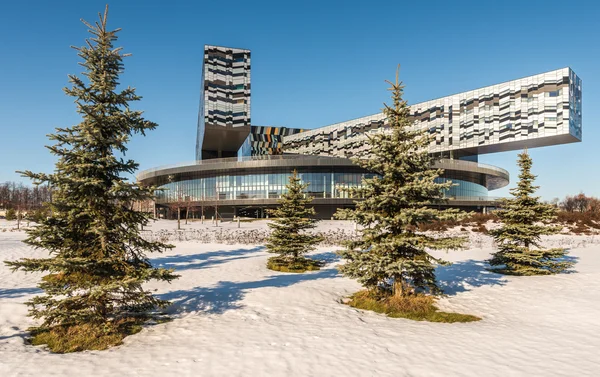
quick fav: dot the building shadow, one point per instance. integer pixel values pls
(18, 292)
(204, 260)
(227, 295)
(463, 276)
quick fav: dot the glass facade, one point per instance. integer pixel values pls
(272, 186)
(464, 189)
(258, 186)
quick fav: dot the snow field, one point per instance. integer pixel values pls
(234, 317)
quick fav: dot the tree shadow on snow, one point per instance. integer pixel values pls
(18, 292)
(572, 259)
(203, 260)
(226, 295)
(325, 257)
(465, 275)
(19, 334)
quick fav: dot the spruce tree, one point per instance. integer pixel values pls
(391, 257)
(289, 237)
(524, 219)
(11, 214)
(97, 261)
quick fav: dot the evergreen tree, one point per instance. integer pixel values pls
(289, 239)
(524, 219)
(39, 214)
(11, 214)
(391, 257)
(97, 262)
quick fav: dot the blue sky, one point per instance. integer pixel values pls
(313, 63)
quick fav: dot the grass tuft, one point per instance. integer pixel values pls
(297, 265)
(81, 337)
(416, 307)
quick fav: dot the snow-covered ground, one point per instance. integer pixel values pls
(233, 317)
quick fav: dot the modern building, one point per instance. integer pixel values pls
(264, 140)
(224, 116)
(531, 112)
(242, 169)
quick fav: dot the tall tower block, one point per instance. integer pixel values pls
(224, 116)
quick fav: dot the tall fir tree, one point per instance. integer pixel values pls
(525, 218)
(391, 257)
(97, 262)
(289, 237)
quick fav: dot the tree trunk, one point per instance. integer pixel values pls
(398, 287)
(178, 218)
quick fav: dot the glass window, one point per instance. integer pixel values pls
(554, 93)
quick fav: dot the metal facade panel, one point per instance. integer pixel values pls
(534, 111)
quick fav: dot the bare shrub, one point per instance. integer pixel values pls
(236, 236)
(579, 222)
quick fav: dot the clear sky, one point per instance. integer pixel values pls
(313, 63)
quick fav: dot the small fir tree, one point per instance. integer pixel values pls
(11, 214)
(391, 258)
(289, 237)
(41, 213)
(97, 262)
(524, 219)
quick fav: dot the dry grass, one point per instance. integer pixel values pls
(479, 218)
(576, 222)
(437, 226)
(75, 338)
(297, 265)
(475, 220)
(416, 307)
(579, 222)
(481, 229)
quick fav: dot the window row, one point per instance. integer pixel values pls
(272, 186)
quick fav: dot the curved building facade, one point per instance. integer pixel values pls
(534, 111)
(247, 186)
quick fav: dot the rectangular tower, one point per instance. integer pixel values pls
(224, 116)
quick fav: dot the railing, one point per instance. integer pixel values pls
(213, 161)
(476, 198)
(444, 162)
